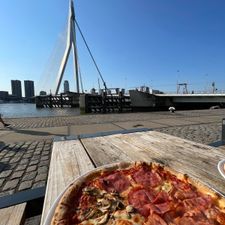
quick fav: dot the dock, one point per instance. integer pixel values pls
(93, 103)
(70, 99)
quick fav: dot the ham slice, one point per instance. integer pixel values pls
(115, 182)
(191, 221)
(181, 195)
(164, 207)
(155, 220)
(150, 209)
(147, 178)
(161, 197)
(198, 203)
(140, 199)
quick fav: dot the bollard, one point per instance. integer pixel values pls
(223, 130)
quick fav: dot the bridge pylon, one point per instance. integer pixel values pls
(70, 45)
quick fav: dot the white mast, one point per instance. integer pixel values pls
(71, 42)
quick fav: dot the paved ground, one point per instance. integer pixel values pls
(108, 118)
(201, 133)
(24, 165)
(25, 147)
(32, 129)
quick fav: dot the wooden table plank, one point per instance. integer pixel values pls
(184, 156)
(197, 160)
(102, 151)
(13, 215)
(68, 161)
(183, 150)
(176, 158)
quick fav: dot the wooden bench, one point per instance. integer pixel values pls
(13, 215)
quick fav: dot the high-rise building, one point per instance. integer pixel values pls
(16, 88)
(29, 88)
(43, 93)
(4, 95)
(66, 86)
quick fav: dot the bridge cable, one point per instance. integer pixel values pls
(85, 42)
(47, 78)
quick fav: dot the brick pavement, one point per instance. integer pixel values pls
(201, 133)
(21, 123)
(24, 165)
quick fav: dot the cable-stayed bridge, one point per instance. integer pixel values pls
(65, 47)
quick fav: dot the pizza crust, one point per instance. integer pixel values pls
(64, 206)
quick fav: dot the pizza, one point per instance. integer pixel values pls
(141, 194)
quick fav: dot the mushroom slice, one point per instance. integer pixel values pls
(88, 189)
(105, 205)
(91, 213)
(102, 192)
(91, 191)
(130, 209)
(104, 202)
(117, 204)
(103, 219)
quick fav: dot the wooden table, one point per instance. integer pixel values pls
(72, 158)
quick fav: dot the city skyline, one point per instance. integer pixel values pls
(153, 43)
(28, 87)
(17, 90)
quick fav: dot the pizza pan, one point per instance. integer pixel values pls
(221, 168)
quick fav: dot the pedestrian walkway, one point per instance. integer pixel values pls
(31, 129)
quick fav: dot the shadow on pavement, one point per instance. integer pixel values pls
(2, 145)
(4, 166)
(31, 132)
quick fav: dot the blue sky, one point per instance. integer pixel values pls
(135, 42)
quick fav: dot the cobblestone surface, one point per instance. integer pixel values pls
(201, 133)
(106, 118)
(24, 165)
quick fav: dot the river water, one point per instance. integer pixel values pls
(18, 110)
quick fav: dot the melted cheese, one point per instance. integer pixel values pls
(124, 218)
(119, 218)
(166, 186)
